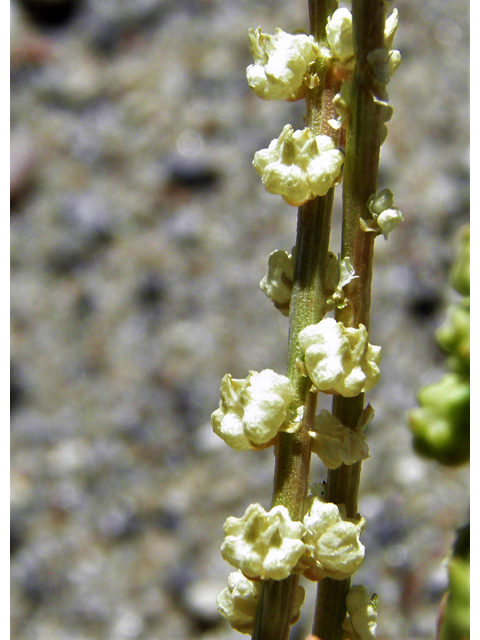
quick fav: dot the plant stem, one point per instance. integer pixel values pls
(359, 183)
(292, 451)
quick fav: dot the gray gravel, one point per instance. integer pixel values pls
(139, 233)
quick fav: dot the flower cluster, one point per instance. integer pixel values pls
(339, 359)
(441, 423)
(299, 165)
(253, 410)
(280, 63)
(383, 64)
(270, 545)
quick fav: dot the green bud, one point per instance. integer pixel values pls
(441, 425)
(454, 336)
(460, 274)
(456, 619)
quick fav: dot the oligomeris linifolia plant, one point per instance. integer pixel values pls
(341, 69)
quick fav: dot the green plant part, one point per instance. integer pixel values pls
(441, 425)
(454, 337)
(456, 617)
(460, 273)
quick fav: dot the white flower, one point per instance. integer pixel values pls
(298, 165)
(339, 32)
(339, 359)
(340, 35)
(253, 410)
(238, 602)
(280, 63)
(265, 545)
(278, 282)
(336, 444)
(334, 549)
(362, 621)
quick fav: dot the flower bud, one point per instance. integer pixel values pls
(454, 336)
(460, 274)
(441, 425)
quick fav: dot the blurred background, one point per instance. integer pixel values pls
(139, 234)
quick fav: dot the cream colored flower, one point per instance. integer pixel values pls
(334, 549)
(339, 359)
(340, 35)
(238, 602)
(336, 444)
(298, 165)
(278, 282)
(253, 410)
(280, 63)
(362, 621)
(265, 545)
(339, 32)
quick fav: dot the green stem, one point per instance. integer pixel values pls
(292, 451)
(359, 182)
